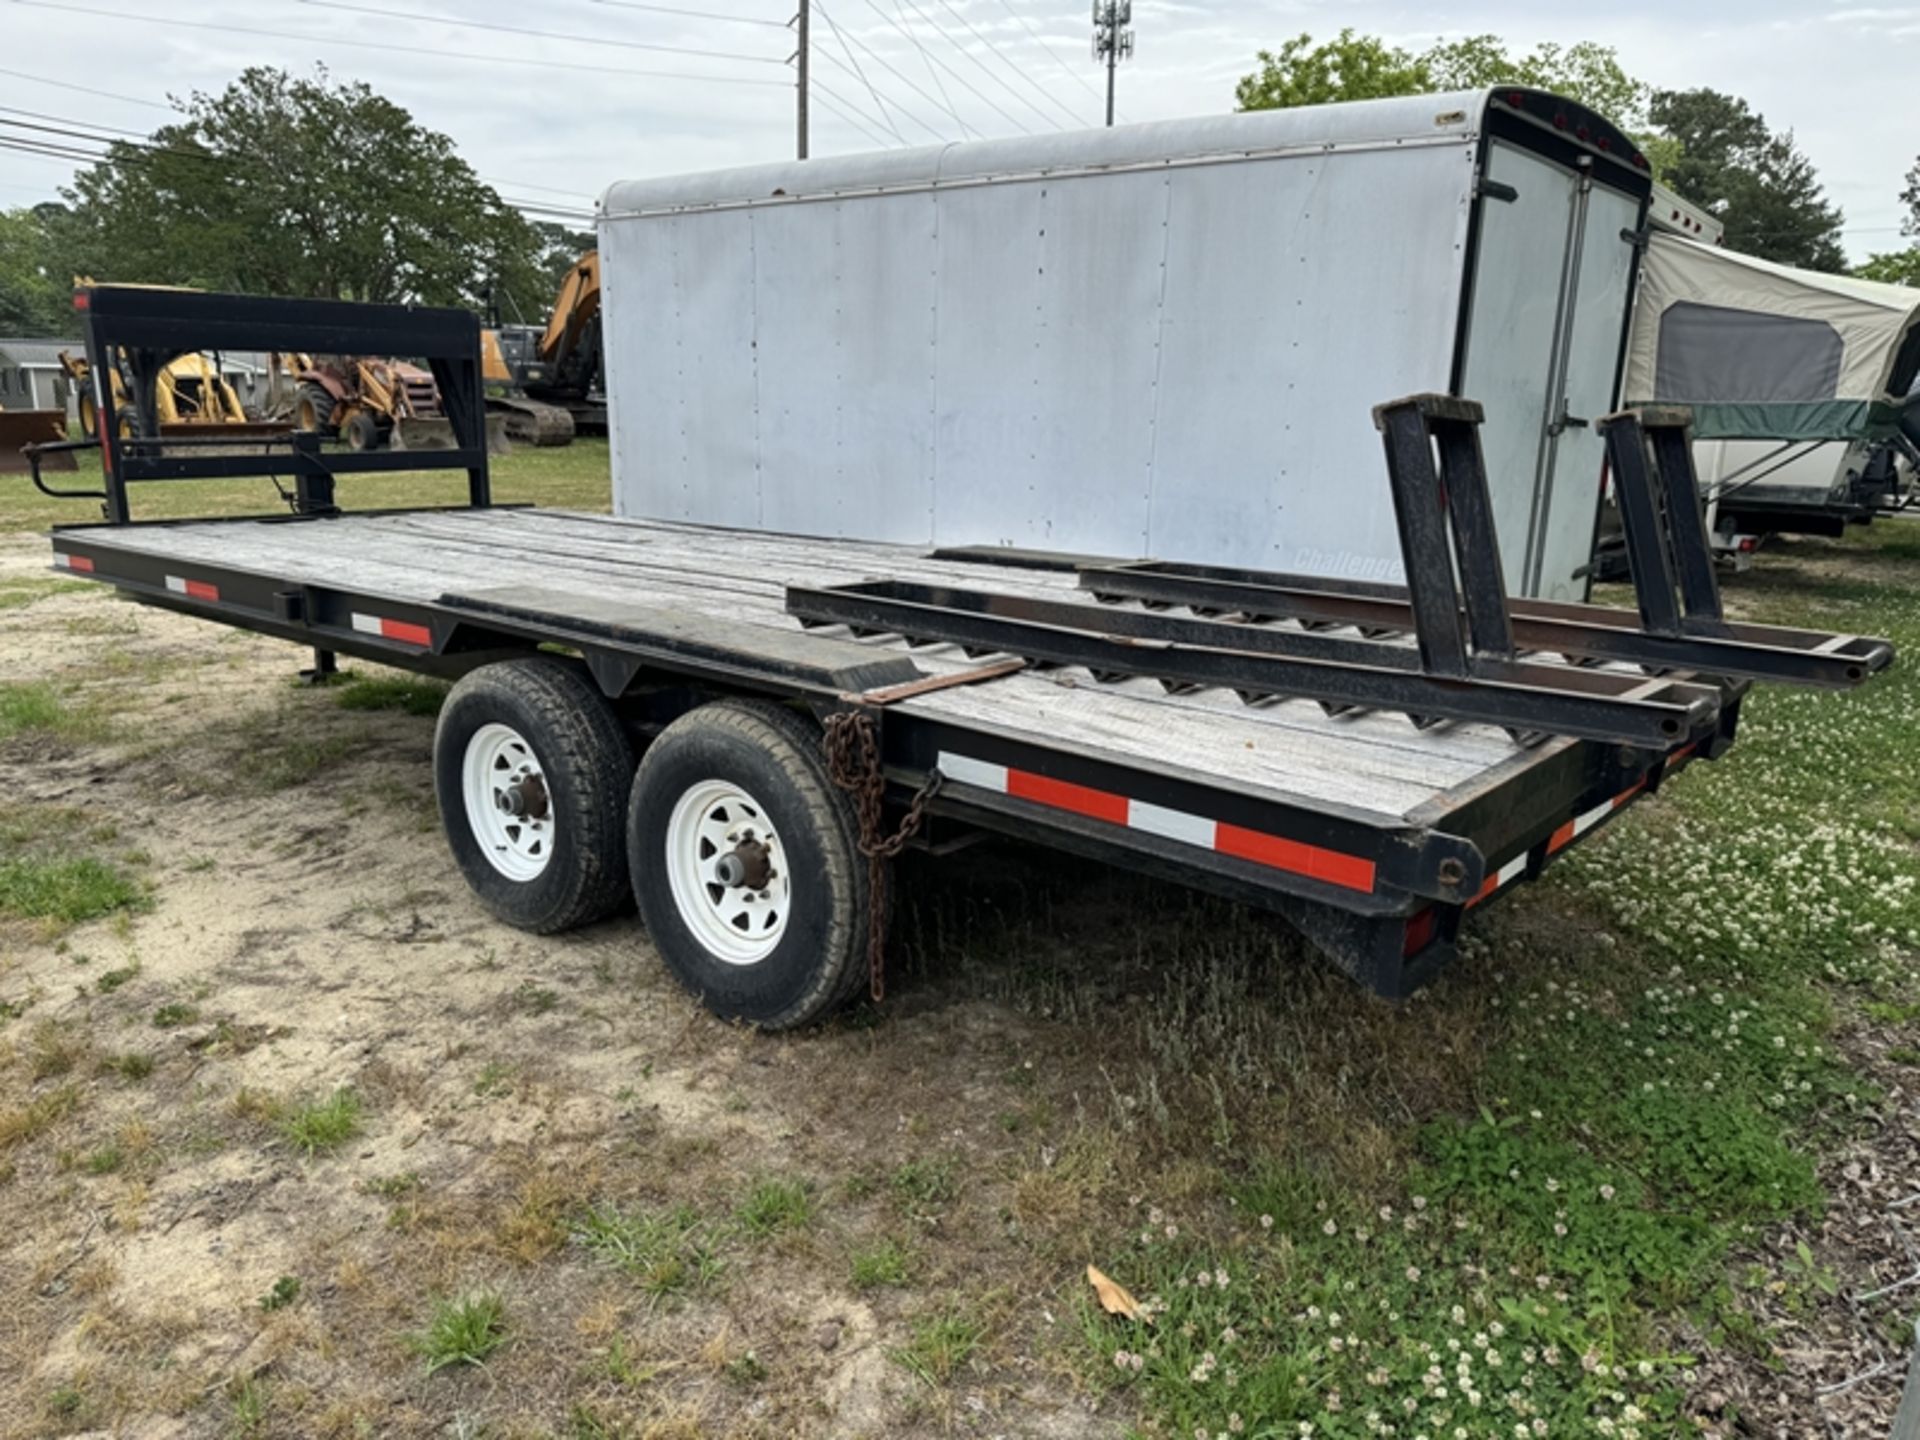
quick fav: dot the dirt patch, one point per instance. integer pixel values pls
(1063, 1048)
(309, 936)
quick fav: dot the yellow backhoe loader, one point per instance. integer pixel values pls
(191, 396)
(374, 404)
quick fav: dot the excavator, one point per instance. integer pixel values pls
(542, 378)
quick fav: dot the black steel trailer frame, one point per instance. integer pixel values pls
(1383, 895)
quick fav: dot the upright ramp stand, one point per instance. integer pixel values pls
(1650, 456)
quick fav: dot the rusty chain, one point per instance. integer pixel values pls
(853, 764)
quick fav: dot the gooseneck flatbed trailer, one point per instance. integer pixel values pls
(739, 729)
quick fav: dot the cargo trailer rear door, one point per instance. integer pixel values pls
(1552, 280)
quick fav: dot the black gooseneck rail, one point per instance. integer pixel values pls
(135, 332)
(1468, 659)
(1650, 458)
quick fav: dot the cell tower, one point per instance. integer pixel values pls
(1112, 41)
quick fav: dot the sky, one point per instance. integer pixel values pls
(617, 89)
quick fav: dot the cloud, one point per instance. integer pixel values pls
(575, 114)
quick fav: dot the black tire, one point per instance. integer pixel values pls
(313, 408)
(774, 756)
(587, 764)
(363, 431)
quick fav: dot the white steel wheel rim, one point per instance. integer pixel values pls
(509, 805)
(716, 831)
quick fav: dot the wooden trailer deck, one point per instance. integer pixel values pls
(1289, 751)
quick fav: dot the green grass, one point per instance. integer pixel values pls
(38, 708)
(923, 1184)
(1652, 1080)
(775, 1204)
(573, 477)
(17, 594)
(134, 1065)
(174, 1014)
(282, 1293)
(276, 750)
(884, 1265)
(465, 1331)
(938, 1345)
(66, 890)
(404, 693)
(111, 980)
(666, 1252)
(321, 1125)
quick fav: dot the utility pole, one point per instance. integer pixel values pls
(1112, 41)
(800, 65)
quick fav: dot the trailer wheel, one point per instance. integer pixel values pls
(531, 767)
(746, 866)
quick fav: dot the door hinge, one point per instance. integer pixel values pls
(1565, 421)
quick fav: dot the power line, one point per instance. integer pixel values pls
(84, 89)
(1045, 94)
(912, 115)
(385, 48)
(1012, 64)
(694, 14)
(145, 138)
(825, 97)
(1040, 40)
(971, 89)
(433, 19)
(141, 152)
(88, 124)
(886, 65)
(925, 59)
(878, 103)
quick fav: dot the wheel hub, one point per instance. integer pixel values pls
(725, 868)
(524, 799)
(748, 866)
(508, 805)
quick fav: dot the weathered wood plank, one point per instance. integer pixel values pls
(1289, 750)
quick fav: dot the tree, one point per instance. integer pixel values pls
(1892, 267)
(1587, 72)
(1763, 189)
(1363, 67)
(1900, 267)
(1351, 67)
(303, 186)
(34, 297)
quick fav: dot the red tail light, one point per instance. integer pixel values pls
(1420, 930)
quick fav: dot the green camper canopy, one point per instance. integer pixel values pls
(1767, 352)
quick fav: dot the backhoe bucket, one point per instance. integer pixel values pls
(437, 434)
(32, 427)
(180, 435)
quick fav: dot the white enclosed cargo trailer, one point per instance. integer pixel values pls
(1160, 339)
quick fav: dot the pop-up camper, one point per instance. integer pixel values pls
(1798, 382)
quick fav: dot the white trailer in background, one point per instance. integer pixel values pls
(1160, 339)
